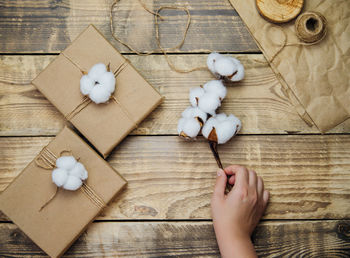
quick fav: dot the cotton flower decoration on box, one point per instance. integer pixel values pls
(69, 173)
(205, 100)
(98, 84)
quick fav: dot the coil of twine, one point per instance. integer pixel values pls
(311, 27)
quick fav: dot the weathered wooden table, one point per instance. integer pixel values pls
(165, 210)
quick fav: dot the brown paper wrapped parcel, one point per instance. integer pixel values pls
(104, 125)
(66, 216)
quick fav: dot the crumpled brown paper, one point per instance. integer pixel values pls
(315, 77)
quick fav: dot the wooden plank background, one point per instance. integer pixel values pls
(190, 239)
(307, 175)
(165, 211)
(43, 26)
(258, 100)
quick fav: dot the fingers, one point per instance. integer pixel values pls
(266, 196)
(240, 176)
(231, 170)
(220, 185)
(260, 188)
(232, 180)
(252, 180)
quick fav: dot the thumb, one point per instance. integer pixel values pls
(220, 185)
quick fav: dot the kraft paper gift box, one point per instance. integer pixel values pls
(104, 125)
(56, 226)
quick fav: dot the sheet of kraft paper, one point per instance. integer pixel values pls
(315, 77)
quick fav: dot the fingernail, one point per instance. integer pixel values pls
(219, 172)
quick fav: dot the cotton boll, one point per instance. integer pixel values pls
(195, 94)
(99, 94)
(208, 126)
(107, 79)
(59, 176)
(69, 173)
(209, 102)
(85, 175)
(225, 127)
(235, 60)
(239, 75)
(217, 87)
(225, 66)
(180, 125)
(66, 162)
(190, 127)
(99, 84)
(212, 58)
(221, 117)
(226, 130)
(235, 120)
(73, 183)
(86, 84)
(96, 71)
(78, 171)
(193, 112)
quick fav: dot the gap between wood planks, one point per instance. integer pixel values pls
(197, 220)
(133, 54)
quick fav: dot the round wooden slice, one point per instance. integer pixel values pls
(279, 11)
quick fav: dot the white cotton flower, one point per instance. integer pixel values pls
(188, 127)
(209, 102)
(195, 94)
(96, 71)
(69, 173)
(66, 162)
(225, 67)
(99, 94)
(225, 128)
(194, 112)
(108, 81)
(240, 71)
(73, 183)
(217, 87)
(79, 171)
(191, 122)
(212, 57)
(59, 176)
(98, 84)
(86, 84)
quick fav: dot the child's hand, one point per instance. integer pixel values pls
(236, 214)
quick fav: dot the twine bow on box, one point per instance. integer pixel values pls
(47, 160)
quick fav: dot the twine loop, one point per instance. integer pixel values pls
(157, 16)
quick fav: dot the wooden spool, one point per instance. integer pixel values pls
(279, 11)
